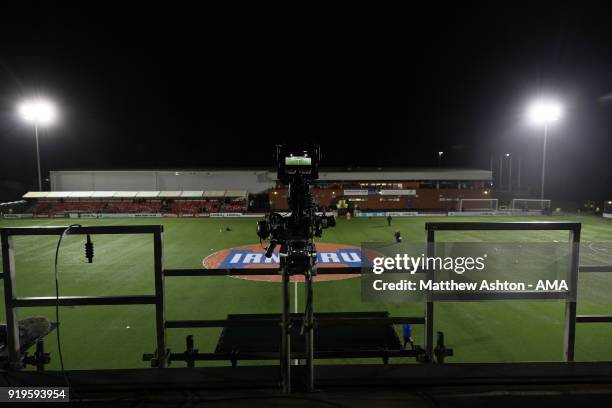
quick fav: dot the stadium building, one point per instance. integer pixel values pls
(204, 192)
(401, 189)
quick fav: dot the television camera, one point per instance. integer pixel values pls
(295, 233)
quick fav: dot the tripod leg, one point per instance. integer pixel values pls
(285, 362)
(310, 331)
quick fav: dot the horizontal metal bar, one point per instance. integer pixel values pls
(221, 272)
(84, 301)
(607, 268)
(502, 226)
(320, 321)
(255, 271)
(101, 229)
(593, 319)
(217, 356)
(225, 356)
(294, 354)
(351, 270)
(234, 381)
(355, 321)
(182, 324)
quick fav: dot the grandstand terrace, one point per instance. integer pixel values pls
(166, 203)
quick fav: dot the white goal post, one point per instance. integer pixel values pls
(529, 204)
(478, 204)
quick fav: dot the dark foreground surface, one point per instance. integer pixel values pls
(450, 385)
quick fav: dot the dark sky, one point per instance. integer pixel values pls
(196, 89)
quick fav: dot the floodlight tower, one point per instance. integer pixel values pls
(544, 113)
(39, 112)
(509, 157)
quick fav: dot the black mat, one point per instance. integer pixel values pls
(340, 337)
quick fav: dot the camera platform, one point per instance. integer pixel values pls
(375, 339)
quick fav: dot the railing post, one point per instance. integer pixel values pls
(160, 312)
(285, 354)
(309, 332)
(10, 293)
(428, 328)
(569, 335)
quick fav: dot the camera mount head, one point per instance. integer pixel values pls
(294, 232)
(297, 162)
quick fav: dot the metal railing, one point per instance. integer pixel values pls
(571, 317)
(162, 355)
(12, 302)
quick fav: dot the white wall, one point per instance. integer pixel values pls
(251, 181)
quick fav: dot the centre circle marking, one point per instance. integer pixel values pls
(252, 256)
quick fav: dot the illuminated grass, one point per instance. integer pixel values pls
(117, 336)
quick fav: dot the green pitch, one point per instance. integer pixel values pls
(117, 336)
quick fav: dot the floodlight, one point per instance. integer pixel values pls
(544, 112)
(38, 111)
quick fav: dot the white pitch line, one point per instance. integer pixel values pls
(295, 307)
(296, 296)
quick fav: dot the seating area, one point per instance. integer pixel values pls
(234, 206)
(63, 207)
(136, 206)
(141, 206)
(195, 206)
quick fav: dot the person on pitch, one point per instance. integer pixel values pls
(407, 331)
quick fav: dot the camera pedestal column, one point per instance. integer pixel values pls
(309, 329)
(285, 355)
(307, 325)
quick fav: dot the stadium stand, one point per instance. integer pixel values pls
(362, 191)
(178, 203)
(195, 206)
(374, 189)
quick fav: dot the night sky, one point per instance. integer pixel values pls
(196, 89)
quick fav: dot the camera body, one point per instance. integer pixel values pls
(295, 231)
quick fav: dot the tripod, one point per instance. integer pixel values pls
(307, 322)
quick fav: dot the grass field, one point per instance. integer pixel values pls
(116, 336)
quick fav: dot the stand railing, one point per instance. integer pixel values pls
(162, 355)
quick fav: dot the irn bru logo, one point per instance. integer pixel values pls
(252, 256)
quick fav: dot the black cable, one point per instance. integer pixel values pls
(57, 317)
(308, 301)
(307, 311)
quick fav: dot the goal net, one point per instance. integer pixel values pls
(529, 204)
(478, 204)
